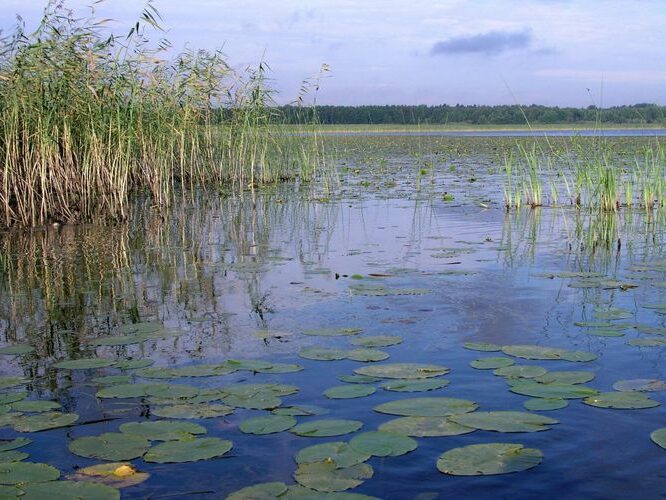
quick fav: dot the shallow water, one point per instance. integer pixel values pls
(219, 270)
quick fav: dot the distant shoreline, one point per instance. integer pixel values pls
(466, 127)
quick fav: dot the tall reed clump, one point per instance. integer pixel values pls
(88, 118)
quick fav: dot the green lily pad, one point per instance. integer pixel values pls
(44, 421)
(247, 364)
(117, 340)
(112, 446)
(67, 490)
(647, 342)
(520, 371)
(492, 363)
(402, 370)
(640, 384)
(34, 406)
(621, 401)
(12, 397)
(300, 411)
(603, 332)
(263, 491)
(419, 385)
(326, 477)
(545, 404)
(258, 401)
(12, 444)
(27, 472)
(367, 355)
(84, 364)
(359, 379)
(383, 444)
(659, 437)
(326, 428)
(267, 425)
(298, 492)
(281, 368)
(425, 427)
(13, 456)
(194, 411)
(9, 492)
(349, 391)
(142, 328)
(545, 353)
(322, 353)
(560, 391)
(482, 346)
(565, 377)
(123, 391)
(504, 421)
(162, 430)
(191, 450)
(377, 341)
(133, 364)
(333, 332)
(341, 453)
(114, 474)
(488, 459)
(427, 407)
(17, 349)
(172, 391)
(6, 382)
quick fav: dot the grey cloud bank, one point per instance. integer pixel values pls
(491, 43)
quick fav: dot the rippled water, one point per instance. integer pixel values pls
(221, 269)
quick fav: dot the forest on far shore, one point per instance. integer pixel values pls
(643, 113)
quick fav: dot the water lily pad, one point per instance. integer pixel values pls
(349, 391)
(281, 368)
(263, 491)
(377, 341)
(333, 332)
(9, 492)
(326, 477)
(425, 427)
(84, 364)
(112, 380)
(545, 404)
(326, 428)
(488, 459)
(520, 371)
(367, 355)
(383, 444)
(427, 407)
(322, 353)
(647, 342)
(34, 406)
(162, 430)
(545, 353)
(17, 349)
(113, 446)
(191, 450)
(67, 490)
(621, 400)
(12, 397)
(359, 379)
(341, 453)
(300, 411)
(560, 391)
(603, 332)
(418, 385)
(44, 421)
(115, 474)
(565, 377)
(194, 411)
(402, 370)
(659, 437)
(172, 391)
(482, 346)
(123, 391)
(640, 384)
(504, 421)
(247, 364)
(12, 444)
(117, 340)
(492, 363)
(267, 425)
(6, 382)
(12, 456)
(27, 472)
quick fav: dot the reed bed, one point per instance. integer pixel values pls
(89, 118)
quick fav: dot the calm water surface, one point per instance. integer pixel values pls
(219, 270)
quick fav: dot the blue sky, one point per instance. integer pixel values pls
(426, 51)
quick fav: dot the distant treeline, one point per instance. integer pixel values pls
(424, 115)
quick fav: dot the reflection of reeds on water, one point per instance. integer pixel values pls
(66, 283)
